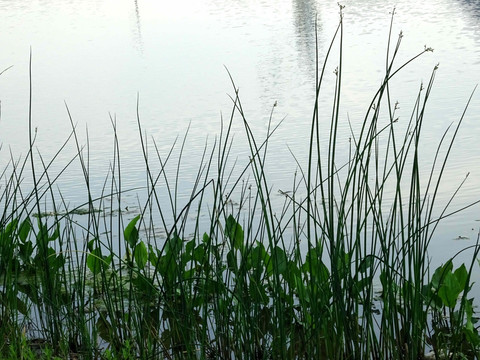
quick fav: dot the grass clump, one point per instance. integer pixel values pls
(341, 271)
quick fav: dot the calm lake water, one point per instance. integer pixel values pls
(96, 55)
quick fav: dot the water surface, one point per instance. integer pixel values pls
(97, 55)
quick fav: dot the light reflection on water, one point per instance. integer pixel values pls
(96, 56)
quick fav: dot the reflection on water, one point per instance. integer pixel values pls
(304, 21)
(472, 7)
(471, 13)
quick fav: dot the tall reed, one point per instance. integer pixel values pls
(98, 281)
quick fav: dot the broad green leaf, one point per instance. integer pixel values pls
(260, 251)
(291, 272)
(469, 313)
(140, 254)
(104, 328)
(24, 230)
(107, 260)
(131, 233)
(144, 284)
(206, 238)
(21, 306)
(323, 273)
(462, 275)
(234, 232)
(26, 251)
(232, 261)
(10, 228)
(189, 274)
(279, 260)
(440, 273)
(152, 256)
(366, 263)
(173, 246)
(187, 255)
(255, 259)
(56, 234)
(256, 255)
(42, 236)
(257, 292)
(452, 285)
(450, 290)
(312, 260)
(362, 284)
(90, 245)
(55, 261)
(29, 290)
(472, 337)
(94, 261)
(268, 264)
(199, 254)
(301, 289)
(168, 267)
(189, 249)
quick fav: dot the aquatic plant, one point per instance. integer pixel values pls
(341, 271)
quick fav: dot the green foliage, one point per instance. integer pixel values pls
(453, 316)
(97, 262)
(140, 254)
(235, 233)
(339, 272)
(131, 233)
